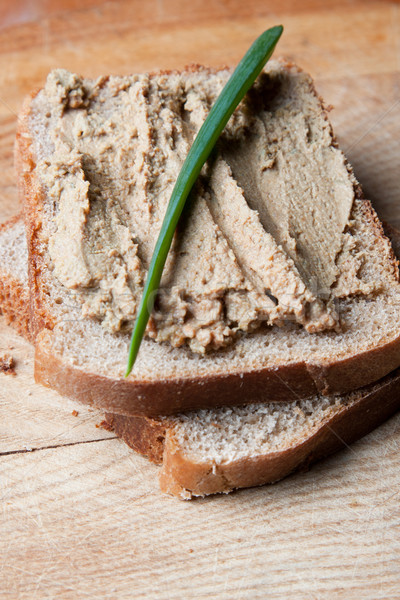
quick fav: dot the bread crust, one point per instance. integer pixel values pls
(145, 435)
(13, 306)
(14, 296)
(140, 397)
(31, 196)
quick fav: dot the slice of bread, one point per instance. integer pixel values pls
(214, 451)
(81, 359)
(211, 451)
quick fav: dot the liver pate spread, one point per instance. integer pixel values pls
(266, 237)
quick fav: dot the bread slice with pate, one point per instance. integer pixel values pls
(213, 451)
(280, 284)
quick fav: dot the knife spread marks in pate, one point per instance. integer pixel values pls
(266, 237)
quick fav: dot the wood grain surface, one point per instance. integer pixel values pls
(81, 515)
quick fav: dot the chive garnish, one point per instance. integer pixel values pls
(237, 86)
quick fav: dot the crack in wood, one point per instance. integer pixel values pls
(31, 450)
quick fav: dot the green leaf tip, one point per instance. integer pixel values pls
(235, 89)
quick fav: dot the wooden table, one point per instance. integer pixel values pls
(81, 514)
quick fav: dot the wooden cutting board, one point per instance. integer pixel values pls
(81, 515)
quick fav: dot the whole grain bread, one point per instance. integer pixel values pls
(214, 451)
(80, 359)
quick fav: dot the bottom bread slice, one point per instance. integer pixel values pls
(212, 451)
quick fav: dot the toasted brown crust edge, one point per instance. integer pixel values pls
(31, 197)
(14, 305)
(146, 436)
(130, 397)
